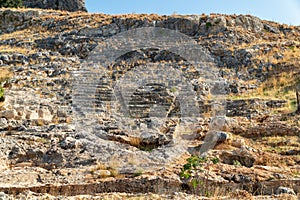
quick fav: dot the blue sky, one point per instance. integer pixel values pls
(284, 11)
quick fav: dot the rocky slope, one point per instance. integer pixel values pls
(53, 147)
(69, 5)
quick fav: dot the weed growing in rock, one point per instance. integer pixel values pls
(194, 163)
(138, 173)
(192, 170)
(5, 75)
(1, 94)
(215, 160)
(208, 24)
(237, 163)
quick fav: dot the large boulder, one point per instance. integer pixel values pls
(249, 22)
(69, 5)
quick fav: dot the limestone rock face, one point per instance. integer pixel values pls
(51, 146)
(11, 21)
(69, 5)
(249, 22)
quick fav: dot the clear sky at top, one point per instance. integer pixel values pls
(283, 11)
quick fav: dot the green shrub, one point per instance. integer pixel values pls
(193, 168)
(237, 163)
(208, 24)
(11, 3)
(194, 163)
(1, 94)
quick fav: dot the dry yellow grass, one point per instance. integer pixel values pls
(135, 141)
(76, 20)
(5, 74)
(280, 144)
(10, 49)
(281, 87)
(292, 54)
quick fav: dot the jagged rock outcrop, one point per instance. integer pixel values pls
(11, 21)
(69, 5)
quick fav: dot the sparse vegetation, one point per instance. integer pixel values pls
(11, 3)
(5, 75)
(208, 24)
(277, 87)
(101, 170)
(192, 170)
(194, 163)
(1, 94)
(139, 172)
(138, 143)
(279, 72)
(237, 163)
(279, 144)
(298, 101)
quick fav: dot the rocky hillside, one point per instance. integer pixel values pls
(69, 5)
(62, 134)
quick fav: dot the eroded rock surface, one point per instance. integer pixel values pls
(42, 150)
(69, 5)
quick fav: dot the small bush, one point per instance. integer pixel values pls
(11, 3)
(194, 163)
(138, 173)
(1, 94)
(237, 163)
(208, 24)
(190, 173)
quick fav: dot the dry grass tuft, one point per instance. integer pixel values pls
(5, 74)
(12, 49)
(135, 141)
(241, 195)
